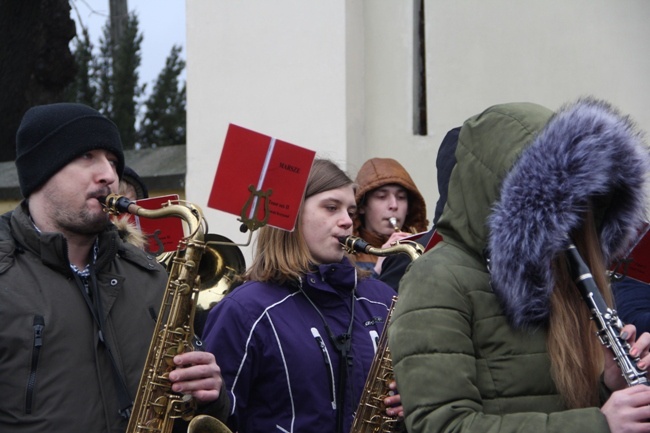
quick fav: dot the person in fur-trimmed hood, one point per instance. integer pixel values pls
(510, 347)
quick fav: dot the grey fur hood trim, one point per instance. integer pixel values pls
(586, 150)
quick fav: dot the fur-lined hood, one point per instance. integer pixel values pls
(129, 232)
(585, 151)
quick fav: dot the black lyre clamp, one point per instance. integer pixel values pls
(249, 219)
(620, 269)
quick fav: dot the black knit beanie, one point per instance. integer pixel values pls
(50, 136)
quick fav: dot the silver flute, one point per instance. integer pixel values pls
(607, 321)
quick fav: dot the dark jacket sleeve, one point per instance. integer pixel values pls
(219, 409)
(633, 303)
(394, 267)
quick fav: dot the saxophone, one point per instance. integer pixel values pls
(371, 416)
(352, 244)
(156, 406)
(607, 321)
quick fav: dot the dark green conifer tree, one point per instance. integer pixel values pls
(82, 88)
(164, 121)
(103, 74)
(109, 81)
(126, 90)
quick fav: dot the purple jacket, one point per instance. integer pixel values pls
(276, 355)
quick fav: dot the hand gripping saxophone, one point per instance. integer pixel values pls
(156, 406)
(607, 321)
(371, 416)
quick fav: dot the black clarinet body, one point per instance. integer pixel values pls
(607, 321)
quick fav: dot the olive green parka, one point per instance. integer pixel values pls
(460, 364)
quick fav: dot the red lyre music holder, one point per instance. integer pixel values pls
(260, 179)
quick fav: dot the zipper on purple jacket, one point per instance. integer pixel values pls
(374, 336)
(39, 325)
(328, 363)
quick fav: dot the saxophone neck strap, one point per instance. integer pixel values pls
(91, 295)
(343, 345)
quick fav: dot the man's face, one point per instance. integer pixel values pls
(69, 198)
(383, 203)
(325, 217)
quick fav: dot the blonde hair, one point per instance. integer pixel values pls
(280, 255)
(576, 353)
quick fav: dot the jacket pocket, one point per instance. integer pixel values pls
(39, 325)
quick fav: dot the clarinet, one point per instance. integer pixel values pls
(608, 323)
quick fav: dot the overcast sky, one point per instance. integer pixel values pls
(162, 24)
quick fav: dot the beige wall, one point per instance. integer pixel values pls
(336, 76)
(7, 205)
(277, 67)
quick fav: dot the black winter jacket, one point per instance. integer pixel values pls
(55, 373)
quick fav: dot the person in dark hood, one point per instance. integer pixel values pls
(390, 208)
(133, 187)
(296, 340)
(490, 332)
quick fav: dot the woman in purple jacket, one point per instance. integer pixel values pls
(295, 342)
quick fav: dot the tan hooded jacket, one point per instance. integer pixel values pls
(375, 173)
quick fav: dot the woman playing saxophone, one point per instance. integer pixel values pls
(296, 340)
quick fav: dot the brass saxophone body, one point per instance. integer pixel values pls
(156, 406)
(371, 413)
(371, 416)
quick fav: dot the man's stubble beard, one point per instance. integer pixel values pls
(82, 222)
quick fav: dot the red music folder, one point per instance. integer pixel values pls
(163, 234)
(261, 178)
(433, 240)
(637, 263)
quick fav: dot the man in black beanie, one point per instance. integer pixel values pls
(77, 303)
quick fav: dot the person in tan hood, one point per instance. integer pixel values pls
(390, 208)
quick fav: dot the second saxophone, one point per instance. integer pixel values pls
(371, 416)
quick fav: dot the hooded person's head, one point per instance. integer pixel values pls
(378, 172)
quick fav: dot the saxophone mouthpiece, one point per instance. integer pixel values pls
(353, 244)
(393, 222)
(115, 204)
